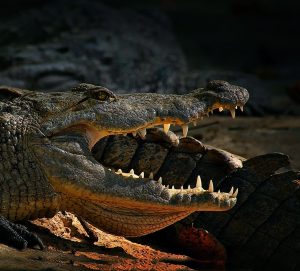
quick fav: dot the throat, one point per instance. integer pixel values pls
(93, 136)
(122, 221)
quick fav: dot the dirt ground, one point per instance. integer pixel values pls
(66, 240)
(68, 248)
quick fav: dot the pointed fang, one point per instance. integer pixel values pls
(143, 132)
(119, 171)
(232, 111)
(142, 175)
(160, 180)
(221, 109)
(235, 193)
(242, 108)
(166, 128)
(131, 171)
(151, 176)
(198, 182)
(211, 186)
(231, 191)
(185, 129)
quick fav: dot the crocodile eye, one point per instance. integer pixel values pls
(102, 94)
(98, 93)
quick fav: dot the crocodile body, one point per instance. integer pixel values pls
(263, 226)
(47, 164)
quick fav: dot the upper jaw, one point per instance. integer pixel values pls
(136, 112)
(181, 111)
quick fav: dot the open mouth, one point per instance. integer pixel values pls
(137, 183)
(164, 126)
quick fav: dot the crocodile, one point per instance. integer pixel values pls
(47, 164)
(261, 232)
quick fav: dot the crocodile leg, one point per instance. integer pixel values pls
(18, 236)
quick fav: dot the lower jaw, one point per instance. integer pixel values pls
(122, 221)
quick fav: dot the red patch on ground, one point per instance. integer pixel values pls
(200, 244)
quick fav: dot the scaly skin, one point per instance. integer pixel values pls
(47, 164)
(261, 232)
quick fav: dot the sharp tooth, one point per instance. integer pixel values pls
(211, 186)
(134, 134)
(109, 169)
(236, 107)
(151, 175)
(242, 108)
(235, 193)
(232, 111)
(181, 188)
(167, 127)
(142, 175)
(189, 187)
(219, 191)
(185, 129)
(231, 191)
(220, 109)
(198, 182)
(131, 171)
(173, 187)
(160, 180)
(119, 171)
(143, 132)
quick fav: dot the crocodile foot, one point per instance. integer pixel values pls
(18, 236)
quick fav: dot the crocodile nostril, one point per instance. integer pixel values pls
(217, 85)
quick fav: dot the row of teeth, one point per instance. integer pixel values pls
(232, 111)
(185, 127)
(197, 188)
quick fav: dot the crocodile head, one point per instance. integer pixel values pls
(126, 204)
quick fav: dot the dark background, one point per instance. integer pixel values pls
(253, 36)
